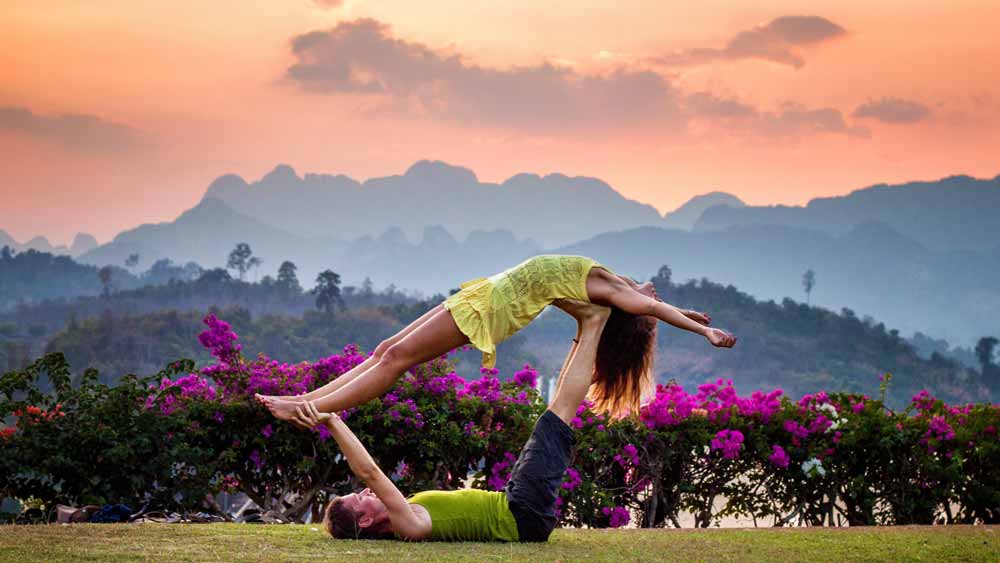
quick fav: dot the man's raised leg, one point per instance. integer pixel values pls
(538, 473)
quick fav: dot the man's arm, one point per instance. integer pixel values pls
(404, 521)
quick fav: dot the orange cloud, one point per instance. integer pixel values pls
(893, 110)
(778, 41)
(74, 131)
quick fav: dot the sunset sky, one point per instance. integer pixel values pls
(117, 112)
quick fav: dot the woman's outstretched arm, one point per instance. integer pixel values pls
(611, 290)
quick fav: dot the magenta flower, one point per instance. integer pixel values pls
(573, 479)
(527, 377)
(778, 457)
(618, 516)
(729, 441)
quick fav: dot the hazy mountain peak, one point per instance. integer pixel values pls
(393, 235)
(209, 208)
(6, 239)
(437, 236)
(282, 175)
(685, 216)
(436, 171)
(526, 179)
(226, 186)
(82, 242)
(39, 243)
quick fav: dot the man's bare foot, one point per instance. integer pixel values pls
(282, 409)
(583, 311)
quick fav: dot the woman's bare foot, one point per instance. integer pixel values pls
(280, 408)
(263, 399)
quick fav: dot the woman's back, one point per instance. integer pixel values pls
(489, 310)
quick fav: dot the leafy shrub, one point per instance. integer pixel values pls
(183, 435)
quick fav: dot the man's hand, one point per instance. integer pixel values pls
(582, 311)
(720, 338)
(307, 416)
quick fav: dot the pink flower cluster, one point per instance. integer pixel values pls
(778, 457)
(672, 405)
(500, 472)
(938, 429)
(729, 441)
(572, 479)
(191, 387)
(618, 515)
(526, 377)
(923, 401)
(220, 340)
(583, 418)
(629, 456)
(403, 411)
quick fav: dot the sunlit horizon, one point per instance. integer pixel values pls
(118, 114)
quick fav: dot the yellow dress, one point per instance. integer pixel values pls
(489, 310)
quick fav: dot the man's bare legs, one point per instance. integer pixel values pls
(436, 336)
(577, 375)
(357, 370)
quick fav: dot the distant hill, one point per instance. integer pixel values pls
(871, 269)
(685, 216)
(551, 210)
(207, 233)
(82, 242)
(921, 256)
(955, 213)
(788, 345)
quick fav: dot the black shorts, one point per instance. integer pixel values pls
(537, 475)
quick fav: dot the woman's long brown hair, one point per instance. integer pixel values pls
(624, 366)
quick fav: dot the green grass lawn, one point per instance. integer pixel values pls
(231, 542)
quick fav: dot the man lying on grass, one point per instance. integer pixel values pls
(524, 511)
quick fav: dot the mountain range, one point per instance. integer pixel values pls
(922, 256)
(82, 243)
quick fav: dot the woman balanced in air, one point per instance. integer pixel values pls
(487, 311)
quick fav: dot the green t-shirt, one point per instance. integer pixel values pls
(468, 515)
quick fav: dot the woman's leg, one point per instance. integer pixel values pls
(436, 336)
(357, 370)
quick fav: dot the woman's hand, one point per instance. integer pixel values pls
(307, 416)
(720, 338)
(703, 318)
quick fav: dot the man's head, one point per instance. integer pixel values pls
(358, 516)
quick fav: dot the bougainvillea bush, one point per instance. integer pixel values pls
(183, 435)
(178, 438)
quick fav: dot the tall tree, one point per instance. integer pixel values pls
(327, 291)
(984, 353)
(254, 262)
(288, 278)
(808, 283)
(105, 275)
(132, 261)
(239, 259)
(662, 279)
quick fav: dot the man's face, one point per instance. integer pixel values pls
(368, 504)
